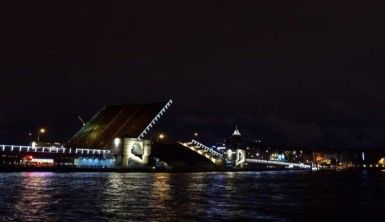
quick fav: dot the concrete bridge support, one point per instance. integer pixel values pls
(135, 153)
(240, 158)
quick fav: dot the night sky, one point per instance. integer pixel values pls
(286, 72)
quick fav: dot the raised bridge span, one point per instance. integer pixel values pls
(218, 158)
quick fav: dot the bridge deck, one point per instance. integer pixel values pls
(205, 151)
(19, 148)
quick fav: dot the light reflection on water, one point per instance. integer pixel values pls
(34, 196)
(191, 196)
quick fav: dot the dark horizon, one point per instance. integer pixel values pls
(307, 73)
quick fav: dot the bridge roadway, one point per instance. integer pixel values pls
(205, 151)
(19, 148)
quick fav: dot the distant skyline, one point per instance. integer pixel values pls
(308, 72)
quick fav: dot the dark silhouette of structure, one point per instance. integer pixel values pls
(235, 141)
(119, 121)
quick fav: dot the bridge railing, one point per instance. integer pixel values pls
(156, 118)
(20, 148)
(212, 151)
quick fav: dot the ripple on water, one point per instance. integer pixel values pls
(274, 196)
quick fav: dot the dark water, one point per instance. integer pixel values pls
(251, 196)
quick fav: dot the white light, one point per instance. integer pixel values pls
(33, 144)
(42, 160)
(155, 119)
(229, 154)
(117, 142)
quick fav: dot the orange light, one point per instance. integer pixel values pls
(29, 157)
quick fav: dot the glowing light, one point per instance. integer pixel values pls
(42, 130)
(33, 144)
(161, 136)
(117, 142)
(229, 153)
(42, 161)
(29, 157)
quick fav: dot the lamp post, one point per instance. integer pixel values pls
(40, 131)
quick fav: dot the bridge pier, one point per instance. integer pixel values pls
(240, 158)
(135, 153)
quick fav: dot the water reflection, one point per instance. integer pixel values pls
(160, 189)
(190, 196)
(34, 196)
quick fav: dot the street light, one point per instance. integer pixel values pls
(161, 136)
(117, 142)
(196, 134)
(42, 131)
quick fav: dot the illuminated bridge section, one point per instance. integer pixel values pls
(205, 151)
(17, 148)
(155, 119)
(119, 121)
(217, 158)
(278, 163)
(15, 156)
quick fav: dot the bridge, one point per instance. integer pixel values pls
(117, 134)
(112, 138)
(81, 154)
(27, 157)
(42, 149)
(278, 163)
(218, 158)
(205, 151)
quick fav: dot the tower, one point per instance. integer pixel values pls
(235, 141)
